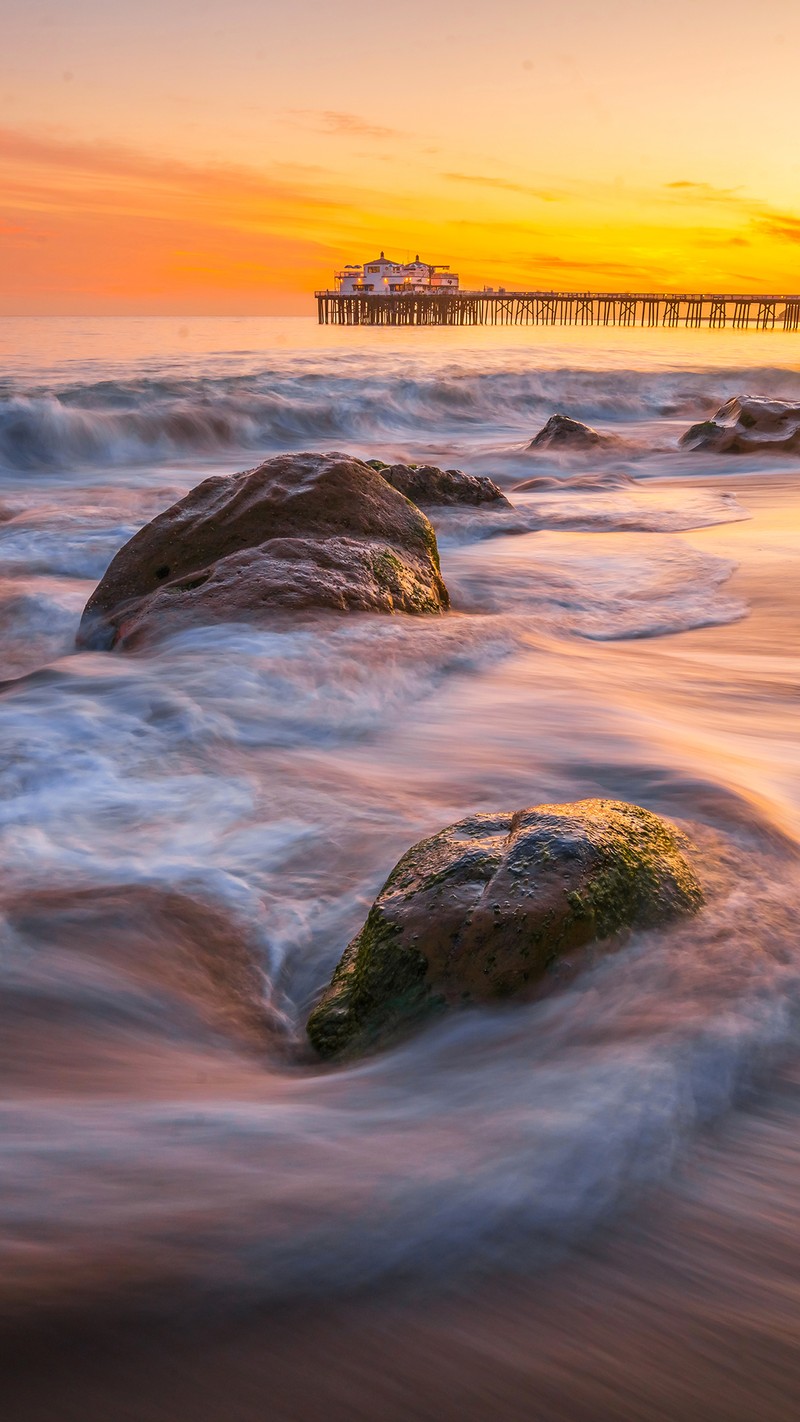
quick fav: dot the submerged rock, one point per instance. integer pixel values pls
(481, 911)
(299, 531)
(748, 424)
(565, 432)
(424, 484)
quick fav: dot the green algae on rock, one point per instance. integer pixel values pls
(481, 910)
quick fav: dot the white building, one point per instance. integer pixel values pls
(382, 277)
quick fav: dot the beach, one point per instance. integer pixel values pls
(580, 1206)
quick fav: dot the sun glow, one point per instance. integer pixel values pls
(546, 152)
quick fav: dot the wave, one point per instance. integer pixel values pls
(402, 1164)
(114, 423)
(649, 588)
(605, 510)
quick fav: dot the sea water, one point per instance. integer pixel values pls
(238, 794)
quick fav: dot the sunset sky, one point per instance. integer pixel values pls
(226, 155)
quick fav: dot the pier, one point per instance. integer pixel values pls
(556, 308)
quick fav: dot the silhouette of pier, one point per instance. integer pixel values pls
(558, 308)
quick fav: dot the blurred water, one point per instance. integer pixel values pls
(191, 834)
(114, 393)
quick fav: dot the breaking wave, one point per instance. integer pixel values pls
(113, 423)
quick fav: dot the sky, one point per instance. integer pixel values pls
(227, 156)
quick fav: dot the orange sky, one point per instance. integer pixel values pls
(226, 155)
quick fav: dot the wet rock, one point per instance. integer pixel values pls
(426, 485)
(566, 433)
(300, 531)
(748, 424)
(704, 435)
(482, 910)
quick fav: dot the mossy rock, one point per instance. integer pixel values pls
(481, 911)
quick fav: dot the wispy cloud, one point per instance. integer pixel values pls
(340, 122)
(593, 267)
(715, 239)
(756, 217)
(12, 229)
(538, 268)
(706, 192)
(505, 185)
(64, 157)
(782, 225)
(92, 225)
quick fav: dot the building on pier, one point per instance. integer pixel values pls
(382, 277)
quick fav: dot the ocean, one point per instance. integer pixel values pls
(558, 1200)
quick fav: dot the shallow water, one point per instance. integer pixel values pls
(191, 834)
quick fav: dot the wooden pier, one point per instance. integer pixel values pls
(558, 308)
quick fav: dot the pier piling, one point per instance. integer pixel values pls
(554, 308)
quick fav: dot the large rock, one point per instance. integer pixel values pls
(300, 531)
(565, 433)
(748, 424)
(426, 485)
(481, 910)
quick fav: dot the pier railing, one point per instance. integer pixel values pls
(558, 308)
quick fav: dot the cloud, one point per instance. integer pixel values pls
(504, 184)
(593, 266)
(88, 226)
(762, 219)
(83, 262)
(706, 192)
(527, 269)
(12, 229)
(339, 122)
(782, 225)
(68, 158)
(715, 239)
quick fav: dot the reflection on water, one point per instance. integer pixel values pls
(191, 834)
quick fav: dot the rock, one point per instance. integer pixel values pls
(300, 531)
(426, 485)
(564, 432)
(702, 436)
(748, 424)
(481, 911)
